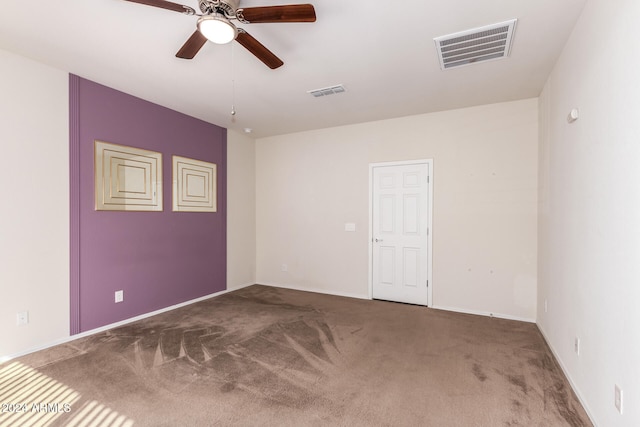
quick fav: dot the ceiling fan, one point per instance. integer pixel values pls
(214, 24)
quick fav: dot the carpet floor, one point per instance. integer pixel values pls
(263, 356)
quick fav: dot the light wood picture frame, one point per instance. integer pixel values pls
(194, 185)
(127, 178)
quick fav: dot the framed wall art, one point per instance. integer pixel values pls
(194, 185)
(127, 178)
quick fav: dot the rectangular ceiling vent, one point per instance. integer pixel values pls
(476, 45)
(332, 90)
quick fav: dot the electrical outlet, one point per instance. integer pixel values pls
(22, 318)
(284, 267)
(119, 296)
(576, 346)
(618, 398)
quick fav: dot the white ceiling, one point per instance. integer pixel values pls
(383, 53)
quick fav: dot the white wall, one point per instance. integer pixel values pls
(589, 229)
(484, 211)
(241, 211)
(34, 219)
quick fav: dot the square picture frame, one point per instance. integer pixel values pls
(194, 185)
(127, 178)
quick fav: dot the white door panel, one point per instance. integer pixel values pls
(387, 265)
(400, 221)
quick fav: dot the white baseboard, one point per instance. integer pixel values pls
(236, 287)
(317, 291)
(366, 297)
(114, 325)
(576, 390)
(485, 313)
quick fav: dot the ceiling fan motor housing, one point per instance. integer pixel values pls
(227, 7)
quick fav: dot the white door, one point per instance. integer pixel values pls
(400, 218)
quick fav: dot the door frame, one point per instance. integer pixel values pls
(429, 163)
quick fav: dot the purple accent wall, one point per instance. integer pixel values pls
(157, 258)
(74, 211)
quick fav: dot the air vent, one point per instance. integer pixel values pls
(327, 91)
(471, 46)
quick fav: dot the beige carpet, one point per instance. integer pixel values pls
(263, 356)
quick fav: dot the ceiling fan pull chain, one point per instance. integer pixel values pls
(233, 83)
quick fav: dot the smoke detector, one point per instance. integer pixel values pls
(476, 45)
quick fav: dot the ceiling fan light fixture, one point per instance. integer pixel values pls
(217, 29)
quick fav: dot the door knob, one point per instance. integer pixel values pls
(378, 240)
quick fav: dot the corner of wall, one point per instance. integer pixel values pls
(241, 210)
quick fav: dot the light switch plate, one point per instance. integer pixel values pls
(349, 226)
(22, 318)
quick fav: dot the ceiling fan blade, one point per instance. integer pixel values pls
(258, 49)
(192, 46)
(166, 5)
(287, 13)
